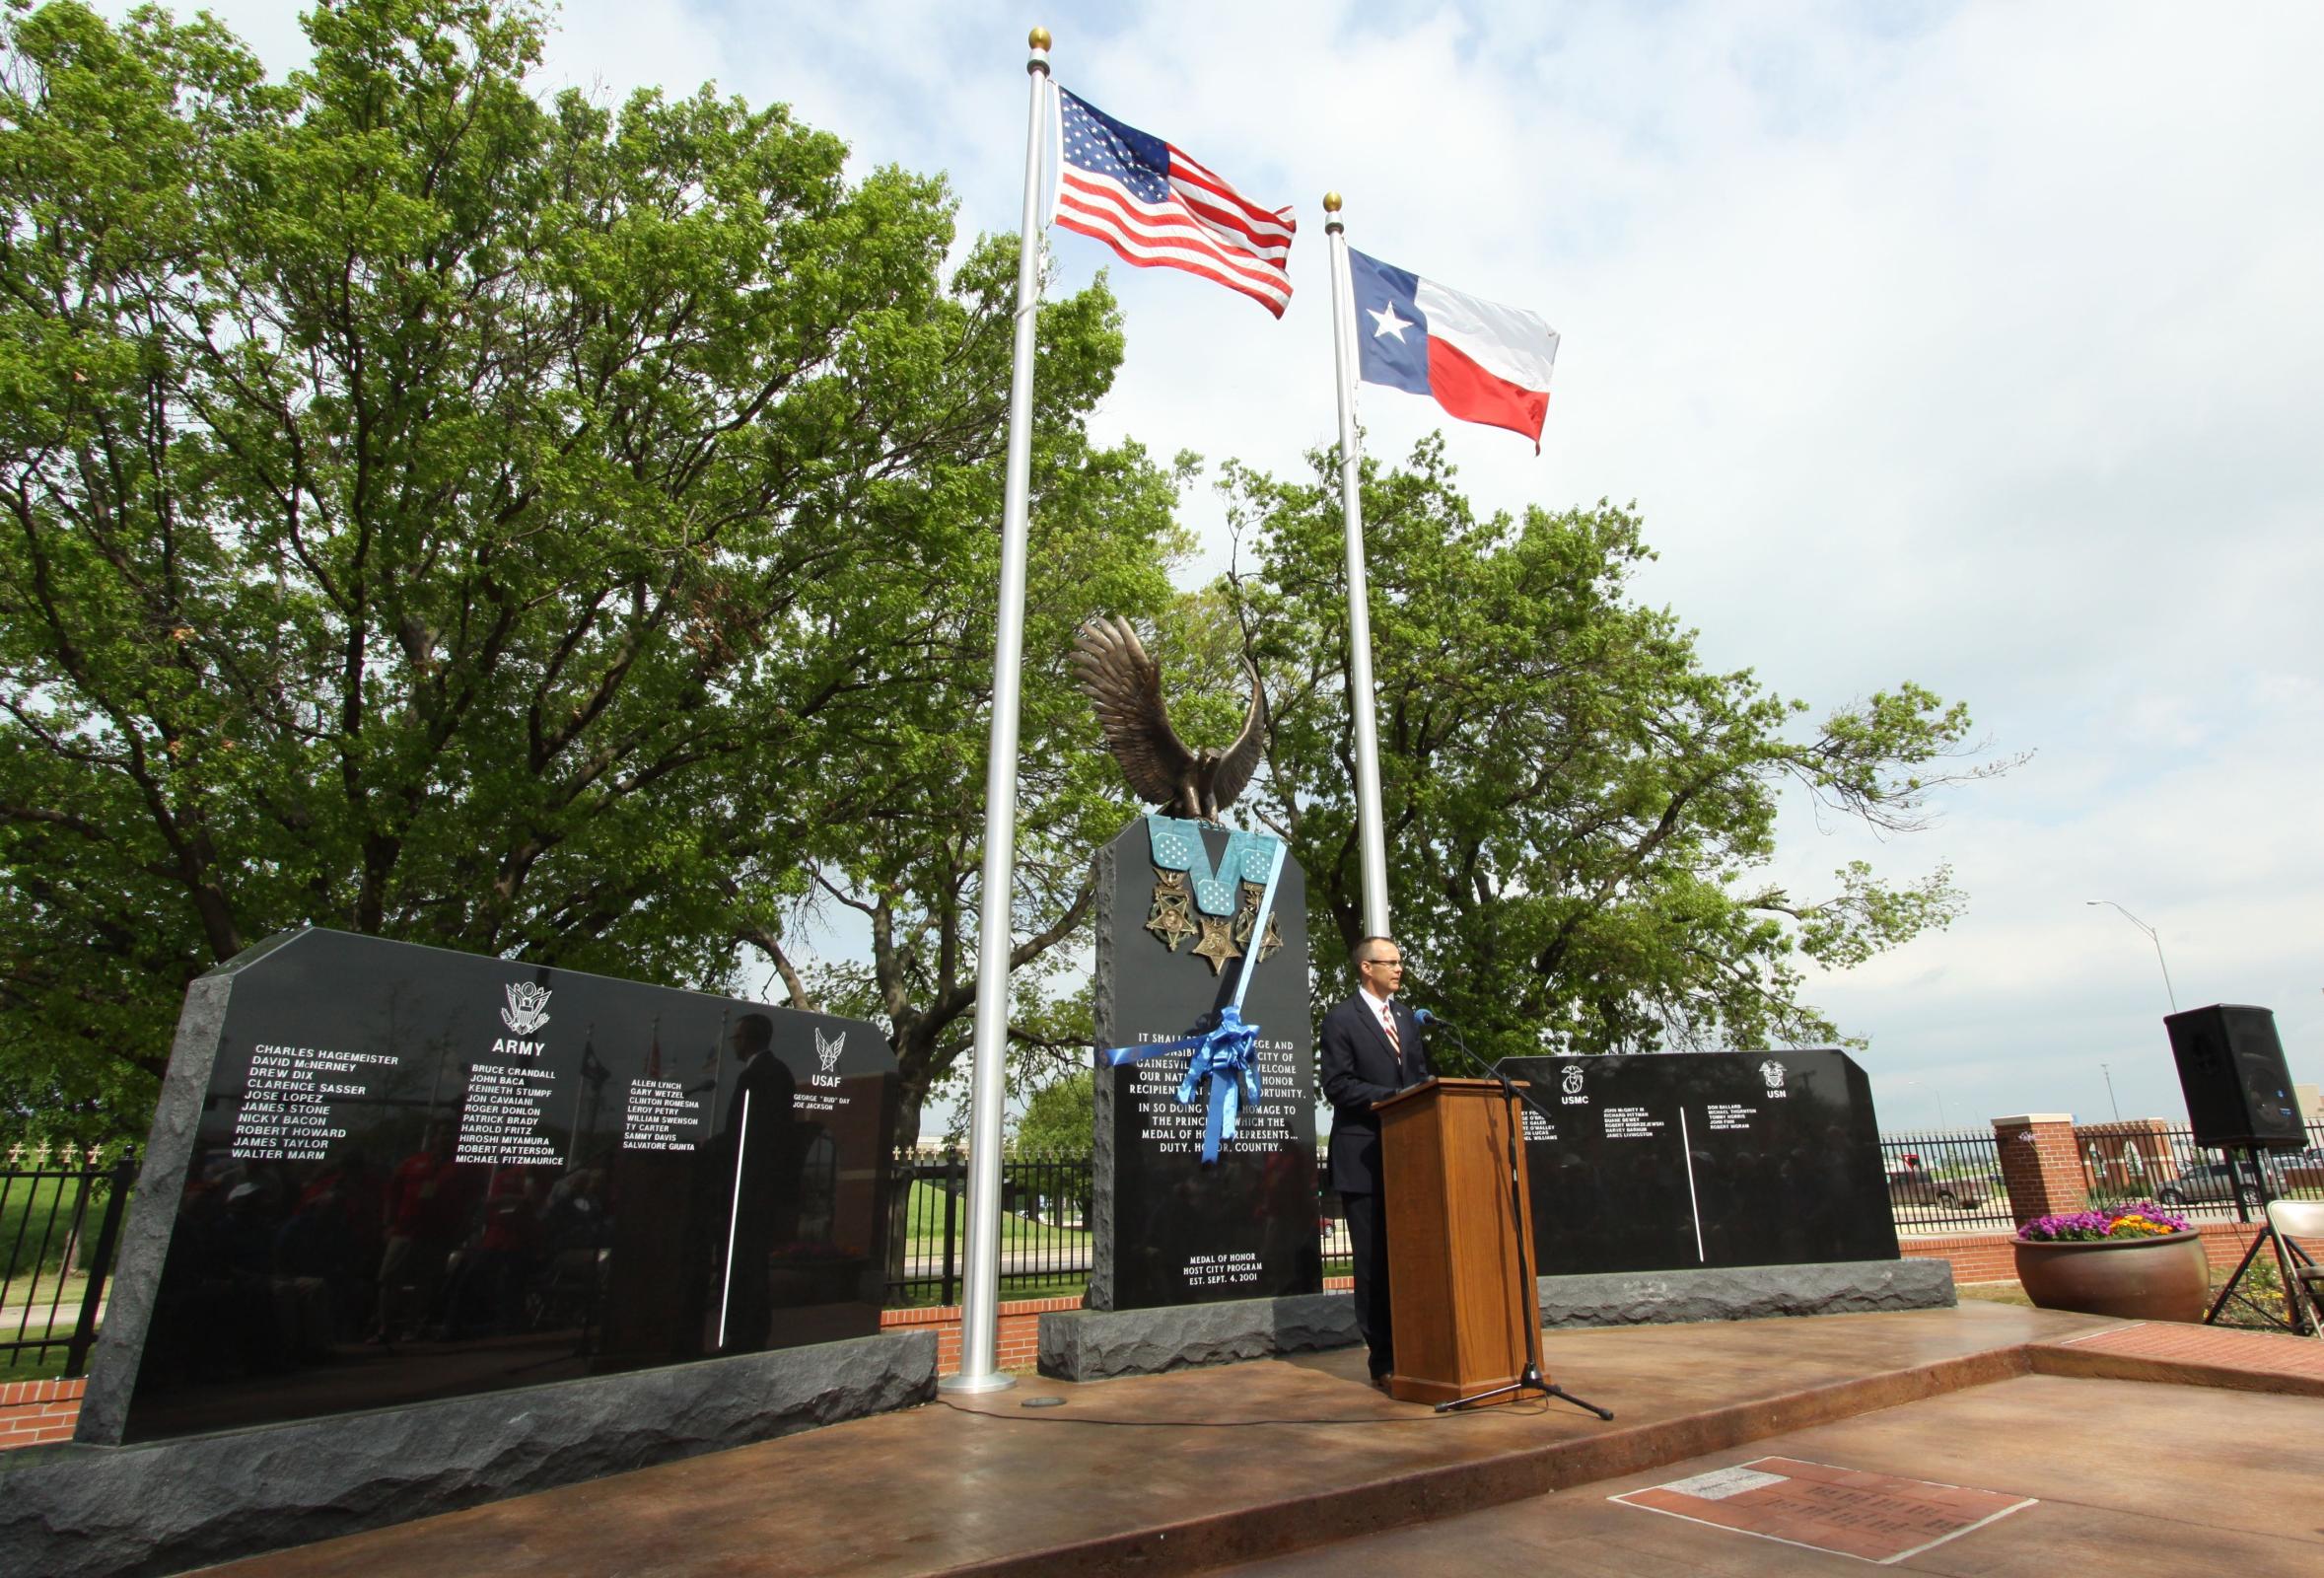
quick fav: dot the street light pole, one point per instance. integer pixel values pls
(2150, 937)
(2110, 1100)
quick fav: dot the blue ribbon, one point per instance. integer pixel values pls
(1224, 1056)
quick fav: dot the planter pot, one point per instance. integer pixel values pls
(2164, 1278)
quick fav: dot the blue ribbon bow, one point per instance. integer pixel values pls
(1224, 1055)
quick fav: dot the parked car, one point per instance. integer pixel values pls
(2208, 1184)
(1910, 1183)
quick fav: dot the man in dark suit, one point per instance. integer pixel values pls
(1371, 1050)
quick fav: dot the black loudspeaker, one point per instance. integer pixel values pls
(2231, 1069)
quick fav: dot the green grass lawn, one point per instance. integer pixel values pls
(29, 1211)
(26, 1367)
(925, 1226)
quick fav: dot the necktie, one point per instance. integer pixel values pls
(1387, 1021)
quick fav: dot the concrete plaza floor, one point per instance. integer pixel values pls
(1296, 1467)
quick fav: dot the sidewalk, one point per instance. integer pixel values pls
(1276, 1461)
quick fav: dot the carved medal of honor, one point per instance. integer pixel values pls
(1171, 920)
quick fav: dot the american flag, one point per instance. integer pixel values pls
(1158, 210)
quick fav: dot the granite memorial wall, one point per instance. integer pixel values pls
(1177, 907)
(418, 1174)
(1681, 1160)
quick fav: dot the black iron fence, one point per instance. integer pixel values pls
(1937, 1182)
(1945, 1182)
(1045, 1239)
(60, 1218)
(2155, 1161)
(1045, 1225)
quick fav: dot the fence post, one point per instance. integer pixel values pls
(101, 1266)
(952, 1175)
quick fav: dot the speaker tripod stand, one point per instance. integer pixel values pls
(2289, 1262)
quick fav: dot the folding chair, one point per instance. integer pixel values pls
(2289, 1222)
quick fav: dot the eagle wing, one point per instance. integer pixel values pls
(1242, 759)
(1124, 686)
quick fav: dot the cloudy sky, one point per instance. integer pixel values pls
(1974, 344)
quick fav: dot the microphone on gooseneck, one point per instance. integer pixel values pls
(1428, 1021)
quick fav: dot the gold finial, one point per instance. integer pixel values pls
(1331, 202)
(1038, 39)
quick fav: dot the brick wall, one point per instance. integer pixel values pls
(1975, 1256)
(1988, 1258)
(2040, 1166)
(1018, 1330)
(32, 1412)
(2223, 1243)
(2127, 1154)
(1017, 1327)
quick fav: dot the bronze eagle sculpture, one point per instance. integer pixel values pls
(1125, 686)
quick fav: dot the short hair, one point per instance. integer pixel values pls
(758, 1032)
(1360, 953)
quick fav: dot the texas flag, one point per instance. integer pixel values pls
(1482, 361)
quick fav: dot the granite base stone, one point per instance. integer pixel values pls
(1092, 1345)
(162, 1508)
(1744, 1293)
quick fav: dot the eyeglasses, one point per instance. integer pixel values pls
(1386, 963)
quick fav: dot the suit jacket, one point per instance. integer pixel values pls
(1358, 1069)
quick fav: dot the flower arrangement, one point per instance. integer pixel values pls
(2141, 1219)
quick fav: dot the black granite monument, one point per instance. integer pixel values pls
(1690, 1159)
(387, 1175)
(1177, 902)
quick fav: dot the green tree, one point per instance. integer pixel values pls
(504, 524)
(1059, 1118)
(1577, 810)
(909, 863)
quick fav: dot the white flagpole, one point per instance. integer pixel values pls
(980, 1287)
(1371, 841)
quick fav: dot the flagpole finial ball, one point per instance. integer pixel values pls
(1038, 39)
(1331, 202)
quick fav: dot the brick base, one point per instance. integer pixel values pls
(33, 1413)
(1988, 1258)
(1018, 1330)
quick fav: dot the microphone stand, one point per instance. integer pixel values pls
(1527, 1291)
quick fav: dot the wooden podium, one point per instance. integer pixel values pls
(1453, 1290)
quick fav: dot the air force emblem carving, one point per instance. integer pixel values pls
(828, 1051)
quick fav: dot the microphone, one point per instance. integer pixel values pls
(1428, 1021)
